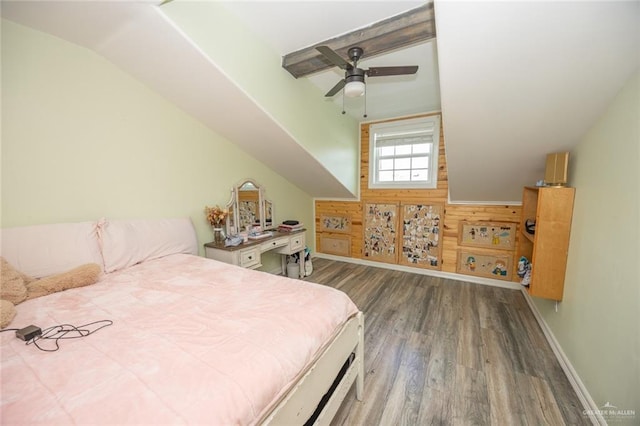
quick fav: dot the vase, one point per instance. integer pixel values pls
(218, 235)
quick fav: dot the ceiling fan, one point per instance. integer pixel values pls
(354, 77)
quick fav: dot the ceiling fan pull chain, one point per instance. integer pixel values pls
(365, 103)
(343, 102)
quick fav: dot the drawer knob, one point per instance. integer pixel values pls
(250, 257)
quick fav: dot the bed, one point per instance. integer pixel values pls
(193, 340)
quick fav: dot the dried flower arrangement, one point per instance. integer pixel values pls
(216, 215)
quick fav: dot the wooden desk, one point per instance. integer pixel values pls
(248, 255)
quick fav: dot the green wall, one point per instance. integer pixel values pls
(296, 104)
(598, 322)
(81, 140)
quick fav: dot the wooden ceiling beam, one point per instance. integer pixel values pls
(412, 27)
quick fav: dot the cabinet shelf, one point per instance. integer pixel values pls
(547, 249)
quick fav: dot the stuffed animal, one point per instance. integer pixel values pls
(14, 283)
(16, 287)
(77, 277)
(7, 312)
(13, 290)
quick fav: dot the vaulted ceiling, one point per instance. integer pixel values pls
(515, 80)
(523, 79)
(289, 26)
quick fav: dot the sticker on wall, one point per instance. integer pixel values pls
(380, 232)
(484, 264)
(335, 223)
(492, 235)
(421, 239)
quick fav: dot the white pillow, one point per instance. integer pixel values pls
(128, 242)
(42, 250)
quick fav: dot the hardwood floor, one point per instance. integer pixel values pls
(445, 352)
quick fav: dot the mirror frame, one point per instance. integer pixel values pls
(230, 224)
(267, 207)
(233, 224)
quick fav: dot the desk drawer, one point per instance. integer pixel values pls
(296, 243)
(270, 245)
(339, 245)
(250, 257)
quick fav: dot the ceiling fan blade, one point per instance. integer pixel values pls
(332, 56)
(335, 89)
(383, 71)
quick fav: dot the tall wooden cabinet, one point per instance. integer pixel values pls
(547, 248)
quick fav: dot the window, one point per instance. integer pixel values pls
(404, 154)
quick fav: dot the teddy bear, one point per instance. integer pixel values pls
(7, 312)
(16, 287)
(13, 290)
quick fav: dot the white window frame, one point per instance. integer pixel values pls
(422, 126)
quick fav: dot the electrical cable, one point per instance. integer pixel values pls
(66, 331)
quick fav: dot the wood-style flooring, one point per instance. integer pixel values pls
(446, 352)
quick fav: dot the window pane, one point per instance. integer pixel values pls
(385, 176)
(403, 153)
(402, 175)
(420, 163)
(386, 151)
(403, 150)
(386, 164)
(403, 163)
(420, 175)
(421, 148)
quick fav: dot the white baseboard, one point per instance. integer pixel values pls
(449, 275)
(589, 405)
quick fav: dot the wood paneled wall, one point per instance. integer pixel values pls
(454, 213)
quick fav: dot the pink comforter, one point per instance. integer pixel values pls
(192, 341)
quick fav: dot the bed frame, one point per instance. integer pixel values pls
(78, 243)
(301, 401)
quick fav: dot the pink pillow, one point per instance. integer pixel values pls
(43, 250)
(128, 242)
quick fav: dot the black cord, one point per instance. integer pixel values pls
(9, 329)
(67, 331)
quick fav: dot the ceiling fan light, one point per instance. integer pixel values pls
(353, 89)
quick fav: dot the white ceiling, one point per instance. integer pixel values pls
(523, 79)
(516, 80)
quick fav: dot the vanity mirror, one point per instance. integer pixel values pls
(268, 214)
(249, 208)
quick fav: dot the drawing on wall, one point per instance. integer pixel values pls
(421, 235)
(484, 264)
(336, 244)
(380, 232)
(494, 235)
(335, 223)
